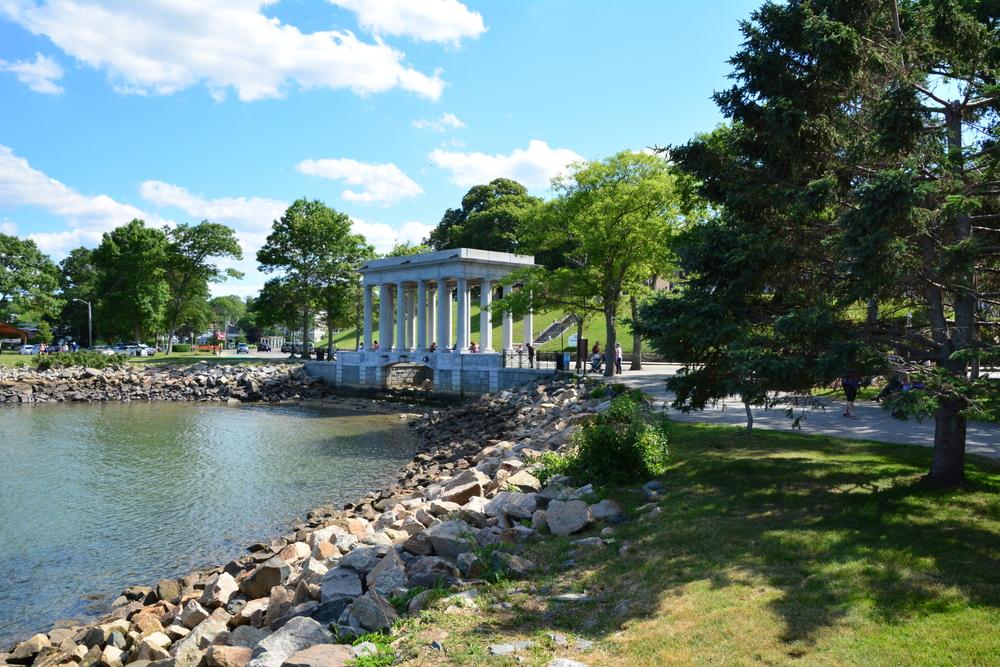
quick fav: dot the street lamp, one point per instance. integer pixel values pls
(90, 323)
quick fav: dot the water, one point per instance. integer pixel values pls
(96, 497)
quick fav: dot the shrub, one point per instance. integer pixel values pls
(87, 358)
(552, 464)
(181, 347)
(625, 444)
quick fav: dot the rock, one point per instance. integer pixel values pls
(192, 614)
(511, 564)
(218, 590)
(188, 652)
(365, 648)
(451, 538)
(111, 656)
(470, 565)
(26, 651)
(245, 616)
(340, 582)
(565, 662)
(441, 507)
(513, 505)
(322, 655)
(431, 571)
(655, 485)
(146, 624)
(149, 650)
(228, 656)
(372, 612)
(567, 517)
(295, 552)
(331, 611)
(298, 634)
(390, 573)
(584, 644)
(538, 521)
(507, 649)
(246, 636)
(278, 604)
(363, 559)
(268, 574)
(525, 481)
(606, 510)
(419, 601)
(419, 544)
(466, 485)
(559, 639)
(168, 589)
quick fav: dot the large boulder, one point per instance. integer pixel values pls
(431, 571)
(228, 656)
(340, 582)
(606, 510)
(389, 574)
(464, 486)
(189, 651)
(272, 572)
(298, 634)
(525, 481)
(322, 655)
(513, 505)
(371, 612)
(218, 590)
(192, 614)
(25, 652)
(363, 559)
(451, 538)
(566, 517)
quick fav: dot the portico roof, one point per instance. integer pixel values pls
(468, 263)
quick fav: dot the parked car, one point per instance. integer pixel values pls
(286, 348)
(29, 349)
(263, 347)
(145, 350)
(242, 348)
(104, 349)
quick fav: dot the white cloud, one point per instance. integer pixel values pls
(534, 167)
(40, 75)
(384, 237)
(87, 215)
(446, 21)
(163, 46)
(7, 227)
(439, 124)
(243, 213)
(379, 183)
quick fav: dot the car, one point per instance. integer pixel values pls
(29, 349)
(263, 347)
(104, 349)
(145, 350)
(242, 348)
(286, 348)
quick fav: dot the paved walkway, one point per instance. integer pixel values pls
(873, 423)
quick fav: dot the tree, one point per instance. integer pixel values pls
(77, 280)
(190, 256)
(227, 310)
(488, 219)
(614, 218)
(131, 278)
(28, 282)
(405, 249)
(848, 199)
(277, 305)
(312, 245)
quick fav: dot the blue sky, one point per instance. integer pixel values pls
(389, 110)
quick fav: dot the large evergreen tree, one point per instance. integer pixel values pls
(857, 189)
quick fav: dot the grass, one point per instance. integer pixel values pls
(770, 548)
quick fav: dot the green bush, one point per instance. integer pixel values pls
(625, 444)
(552, 464)
(181, 347)
(87, 358)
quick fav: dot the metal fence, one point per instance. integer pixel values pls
(521, 359)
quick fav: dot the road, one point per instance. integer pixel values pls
(873, 423)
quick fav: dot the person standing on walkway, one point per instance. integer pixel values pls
(850, 383)
(618, 358)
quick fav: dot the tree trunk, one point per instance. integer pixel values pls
(746, 406)
(948, 462)
(580, 358)
(636, 339)
(138, 333)
(170, 339)
(609, 350)
(305, 333)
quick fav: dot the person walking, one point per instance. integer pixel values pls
(531, 354)
(850, 384)
(618, 358)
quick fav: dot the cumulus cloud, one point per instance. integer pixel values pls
(7, 227)
(376, 183)
(88, 216)
(439, 124)
(162, 46)
(244, 213)
(534, 167)
(40, 75)
(446, 21)
(384, 237)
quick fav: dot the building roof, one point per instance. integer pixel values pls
(467, 263)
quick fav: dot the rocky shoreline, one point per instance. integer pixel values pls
(198, 382)
(454, 509)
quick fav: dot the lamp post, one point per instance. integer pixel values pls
(90, 323)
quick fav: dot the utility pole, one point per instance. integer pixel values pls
(90, 324)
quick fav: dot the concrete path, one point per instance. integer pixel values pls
(873, 423)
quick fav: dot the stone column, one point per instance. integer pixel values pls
(409, 319)
(485, 321)
(400, 317)
(444, 316)
(421, 315)
(508, 323)
(432, 335)
(384, 317)
(529, 330)
(368, 318)
(463, 315)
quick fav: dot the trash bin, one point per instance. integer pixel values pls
(562, 361)
(320, 354)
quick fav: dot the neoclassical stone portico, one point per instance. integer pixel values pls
(415, 296)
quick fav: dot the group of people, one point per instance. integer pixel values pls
(597, 359)
(899, 382)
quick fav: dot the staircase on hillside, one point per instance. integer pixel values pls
(555, 329)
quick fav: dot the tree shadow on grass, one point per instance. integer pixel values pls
(835, 529)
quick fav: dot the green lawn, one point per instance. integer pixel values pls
(771, 548)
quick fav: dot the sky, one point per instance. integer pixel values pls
(177, 111)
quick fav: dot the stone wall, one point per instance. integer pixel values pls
(443, 380)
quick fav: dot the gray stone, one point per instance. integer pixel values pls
(466, 485)
(451, 538)
(372, 612)
(390, 573)
(277, 604)
(192, 614)
(431, 571)
(525, 481)
(26, 651)
(511, 564)
(363, 559)
(168, 589)
(330, 611)
(606, 510)
(511, 647)
(268, 574)
(189, 652)
(419, 543)
(246, 636)
(513, 505)
(322, 655)
(565, 662)
(365, 648)
(227, 656)
(567, 517)
(218, 590)
(538, 521)
(340, 582)
(298, 634)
